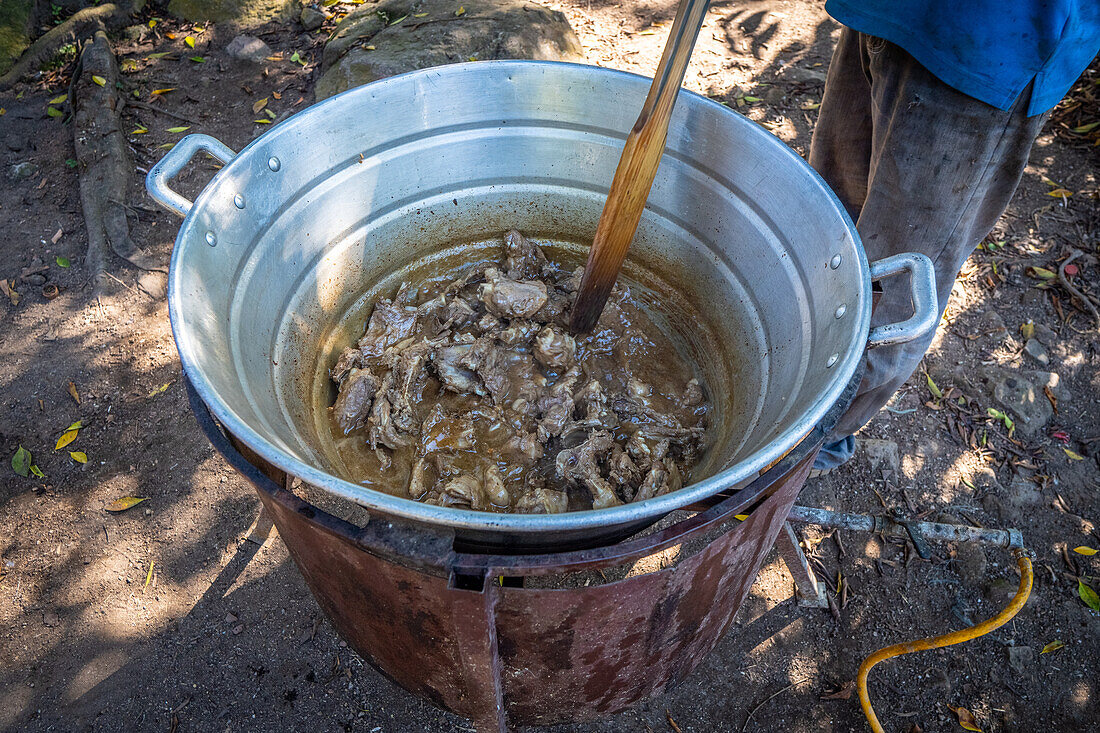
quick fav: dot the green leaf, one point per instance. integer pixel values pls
(296, 58)
(60, 99)
(198, 59)
(1087, 594)
(99, 80)
(399, 20)
(21, 461)
(71, 162)
(62, 261)
(935, 390)
(749, 99)
(1053, 646)
(54, 112)
(185, 128)
(37, 471)
(1086, 128)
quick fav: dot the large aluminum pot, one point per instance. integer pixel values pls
(296, 234)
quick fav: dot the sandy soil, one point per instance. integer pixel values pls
(185, 614)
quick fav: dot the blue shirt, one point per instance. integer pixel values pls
(989, 49)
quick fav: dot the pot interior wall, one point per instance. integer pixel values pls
(392, 178)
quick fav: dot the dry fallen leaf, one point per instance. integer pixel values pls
(9, 290)
(1073, 456)
(158, 92)
(966, 719)
(159, 390)
(149, 576)
(79, 456)
(1060, 192)
(741, 517)
(99, 80)
(68, 436)
(933, 388)
(1053, 646)
(1041, 273)
(124, 503)
(1027, 330)
(189, 41)
(72, 391)
(461, 10)
(844, 692)
(1086, 551)
(259, 104)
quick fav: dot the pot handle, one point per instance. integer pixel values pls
(922, 284)
(156, 183)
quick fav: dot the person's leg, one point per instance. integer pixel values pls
(841, 146)
(943, 167)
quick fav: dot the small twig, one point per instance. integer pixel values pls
(151, 108)
(1074, 291)
(769, 697)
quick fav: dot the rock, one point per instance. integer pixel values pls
(489, 29)
(241, 12)
(970, 563)
(248, 48)
(50, 618)
(1022, 494)
(999, 591)
(1035, 350)
(1045, 335)
(135, 33)
(1033, 297)
(882, 454)
(994, 507)
(774, 95)
(24, 170)
(1020, 658)
(1028, 405)
(799, 75)
(312, 18)
(985, 479)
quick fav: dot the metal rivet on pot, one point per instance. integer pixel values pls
(273, 163)
(211, 239)
(832, 360)
(238, 201)
(835, 262)
(841, 310)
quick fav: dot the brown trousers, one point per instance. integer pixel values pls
(921, 167)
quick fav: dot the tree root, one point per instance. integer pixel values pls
(104, 164)
(1074, 254)
(81, 24)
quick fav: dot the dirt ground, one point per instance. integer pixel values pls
(181, 615)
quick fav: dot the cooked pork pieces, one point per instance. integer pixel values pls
(472, 393)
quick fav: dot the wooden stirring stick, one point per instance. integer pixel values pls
(636, 170)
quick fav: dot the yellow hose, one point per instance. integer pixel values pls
(936, 642)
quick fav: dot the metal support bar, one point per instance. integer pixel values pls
(1009, 538)
(810, 590)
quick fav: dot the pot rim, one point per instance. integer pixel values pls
(467, 519)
